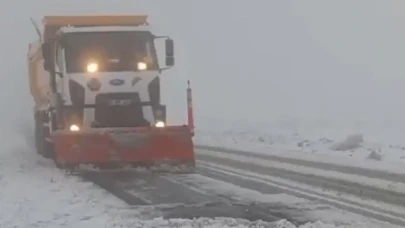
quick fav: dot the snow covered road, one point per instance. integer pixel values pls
(34, 193)
(344, 188)
(212, 193)
(172, 197)
(269, 192)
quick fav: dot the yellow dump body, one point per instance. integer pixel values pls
(53, 23)
(38, 78)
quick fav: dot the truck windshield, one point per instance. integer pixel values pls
(111, 51)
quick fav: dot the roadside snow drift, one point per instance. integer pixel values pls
(337, 144)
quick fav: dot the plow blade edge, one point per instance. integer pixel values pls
(138, 146)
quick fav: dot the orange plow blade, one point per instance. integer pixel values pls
(100, 147)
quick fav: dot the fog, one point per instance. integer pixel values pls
(248, 60)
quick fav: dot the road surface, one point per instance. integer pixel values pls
(226, 186)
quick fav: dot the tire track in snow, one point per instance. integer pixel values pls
(354, 184)
(386, 175)
(268, 205)
(109, 182)
(259, 177)
(340, 185)
(175, 200)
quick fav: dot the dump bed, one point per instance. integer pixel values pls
(38, 78)
(53, 23)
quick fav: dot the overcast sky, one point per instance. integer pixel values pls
(254, 59)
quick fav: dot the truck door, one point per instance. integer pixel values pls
(61, 72)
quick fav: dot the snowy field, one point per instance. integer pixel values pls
(373, 147)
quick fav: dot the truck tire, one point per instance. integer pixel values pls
(38, 133)
(42, 132)
(48, 151)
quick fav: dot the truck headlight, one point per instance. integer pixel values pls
(142, 66)
(92, 67)
(160, 124)
(74, 127)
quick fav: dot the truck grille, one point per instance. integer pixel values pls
(119, 110)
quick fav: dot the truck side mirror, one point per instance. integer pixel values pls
(47, 55)
(169, 61)
(169, 47)
(169, 52)
(46, 65)
(46, 51)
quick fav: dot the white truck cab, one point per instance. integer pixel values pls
(105, 76)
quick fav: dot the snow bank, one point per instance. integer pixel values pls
(34, 193)
(331, 143)
(236, 223)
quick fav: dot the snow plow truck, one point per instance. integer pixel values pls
(96, 81)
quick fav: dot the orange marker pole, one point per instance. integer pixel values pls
(190, 115)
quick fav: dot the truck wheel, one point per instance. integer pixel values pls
(48, 148)
(38, 133)
(48, 151)
(42, 132)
